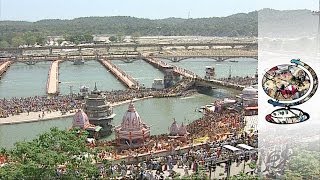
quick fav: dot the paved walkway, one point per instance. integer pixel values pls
(4, 66)
(53, 79)
(33, 117)
(121, 75)
(176, 69)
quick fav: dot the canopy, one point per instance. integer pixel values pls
(244, 146)
(201, 139)
(232, 148)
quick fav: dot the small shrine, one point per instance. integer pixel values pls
(81, 120)
(133, 132)
(177, 131)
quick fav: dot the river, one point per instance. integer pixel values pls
(22, 80)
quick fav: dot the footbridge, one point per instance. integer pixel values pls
(189, 74)
(163, 66)
(53, 78)
(33, 59)
(4, 67)
(218, 55)
(120, 74)
(49, 50)
(217, 84)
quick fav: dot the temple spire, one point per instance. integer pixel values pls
(95, 86)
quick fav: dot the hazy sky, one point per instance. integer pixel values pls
(33, 10)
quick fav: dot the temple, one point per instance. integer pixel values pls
(133, 132)
(177, 131)
(99, 111)
(81, 120)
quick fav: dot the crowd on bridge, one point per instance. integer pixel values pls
(219, 129)
(244, 81)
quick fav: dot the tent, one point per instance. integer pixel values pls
(231, 148)
(245, 147)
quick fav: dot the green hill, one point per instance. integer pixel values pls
(234, 25)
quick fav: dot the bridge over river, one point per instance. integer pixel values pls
(217, 54)
(197, 80)
(151, 58)
(49, 50)
(129, 56)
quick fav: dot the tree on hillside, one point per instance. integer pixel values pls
(4, 44)
(304, 165)
(30, 38)
(18, 41)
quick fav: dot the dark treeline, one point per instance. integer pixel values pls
(242, 24)
(235, 25)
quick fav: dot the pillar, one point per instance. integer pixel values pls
(50, 51)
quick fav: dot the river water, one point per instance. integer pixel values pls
(24, 80)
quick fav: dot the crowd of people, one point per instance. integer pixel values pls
(216, 124)
(222, 128)
(66, 103)
(15, 106)
(244, 81)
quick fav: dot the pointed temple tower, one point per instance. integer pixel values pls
(99, 111)
(132, 132)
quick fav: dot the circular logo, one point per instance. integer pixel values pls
(289, 85)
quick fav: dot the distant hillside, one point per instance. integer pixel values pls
(289, 23)
(272, 23)
(235, 25)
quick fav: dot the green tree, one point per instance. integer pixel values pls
(88, 38)
(42, 156)
(30, 38)
(112, 38)
(17, 41)
(304, 164)
(4, 44)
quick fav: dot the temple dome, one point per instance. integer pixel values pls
(174, 129)
(80, 119)
(131, 119)
(182, 130)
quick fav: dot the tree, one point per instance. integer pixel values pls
(304, 164)
(88, 38)
(135, 36)
(30, 38)
(4, 44)
(112, 38)
(41, 157)
(17, 41)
